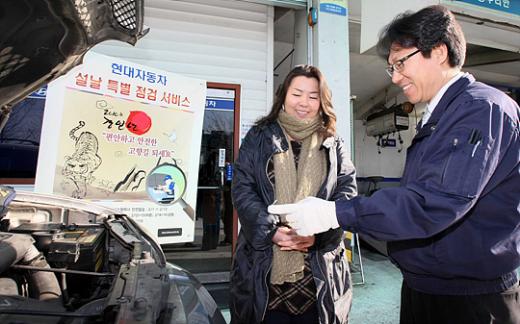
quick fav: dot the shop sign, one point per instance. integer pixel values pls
(336, 7)
(220, 99)
(220, 104)
(39, 94)
(507, 6)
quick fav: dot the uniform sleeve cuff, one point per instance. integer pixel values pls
(346, 214)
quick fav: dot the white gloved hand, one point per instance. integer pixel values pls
(308, 216)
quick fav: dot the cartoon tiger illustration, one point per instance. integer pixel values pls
(83, 162)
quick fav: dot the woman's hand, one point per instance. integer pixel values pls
(288, 240)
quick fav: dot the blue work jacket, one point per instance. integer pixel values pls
(453, 225)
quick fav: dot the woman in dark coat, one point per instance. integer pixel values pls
(292, 153)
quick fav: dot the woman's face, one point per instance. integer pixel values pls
(303, 98)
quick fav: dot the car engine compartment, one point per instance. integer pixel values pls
(72, 266)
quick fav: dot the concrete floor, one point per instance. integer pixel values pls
(375, 302)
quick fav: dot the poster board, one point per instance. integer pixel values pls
(128, 137)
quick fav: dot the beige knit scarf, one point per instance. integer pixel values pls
(292, 185)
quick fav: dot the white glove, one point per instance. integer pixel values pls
(308, 216)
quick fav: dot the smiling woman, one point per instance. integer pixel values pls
(290, 154)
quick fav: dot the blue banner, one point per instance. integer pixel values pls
(220, 104)
(507, 6)
(334, 7)
(39, 94)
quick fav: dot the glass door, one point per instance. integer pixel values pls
(216, 222)
(214, 192)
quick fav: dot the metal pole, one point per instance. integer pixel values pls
(310, 39)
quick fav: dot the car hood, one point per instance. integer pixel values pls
(140, 286)
(43, 39)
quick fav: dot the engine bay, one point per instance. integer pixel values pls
(70, 265)
(60, 247)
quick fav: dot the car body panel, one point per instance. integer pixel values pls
(142, 287)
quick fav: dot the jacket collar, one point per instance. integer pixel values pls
(453, 92)
(328, 142)
(279, 142)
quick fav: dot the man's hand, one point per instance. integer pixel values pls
(308, 216)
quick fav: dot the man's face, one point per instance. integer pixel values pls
(418, 76)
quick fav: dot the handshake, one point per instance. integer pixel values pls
(308, 216)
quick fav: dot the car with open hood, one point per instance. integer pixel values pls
(64, 260)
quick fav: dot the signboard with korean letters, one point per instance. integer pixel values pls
(505, 6)
(126, 136)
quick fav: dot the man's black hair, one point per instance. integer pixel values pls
(425, 29)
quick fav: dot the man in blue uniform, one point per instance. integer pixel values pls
(453, 226)
(168, 187)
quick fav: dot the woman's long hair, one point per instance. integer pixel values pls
(326, 109)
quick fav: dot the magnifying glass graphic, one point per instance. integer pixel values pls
(166, 185)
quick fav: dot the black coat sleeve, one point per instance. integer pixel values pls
(257, 225)
(346, 186)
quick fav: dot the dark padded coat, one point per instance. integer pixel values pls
(252, 192)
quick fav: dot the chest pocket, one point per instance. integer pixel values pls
(462, 163)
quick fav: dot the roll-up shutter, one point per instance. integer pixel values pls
(297, 4)
(215, 40)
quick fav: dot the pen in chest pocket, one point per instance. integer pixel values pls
(475, 139)
(475, 148)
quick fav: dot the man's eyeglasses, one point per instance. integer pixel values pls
(399, 64)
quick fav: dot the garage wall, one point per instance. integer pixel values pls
(390, 163)
(215, 40)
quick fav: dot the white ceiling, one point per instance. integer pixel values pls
(371, 85)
